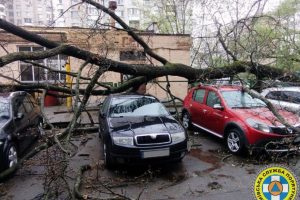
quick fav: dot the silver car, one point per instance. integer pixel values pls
(287, 98)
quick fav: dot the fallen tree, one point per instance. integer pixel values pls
(142, 73)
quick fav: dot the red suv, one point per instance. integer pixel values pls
(243, 121)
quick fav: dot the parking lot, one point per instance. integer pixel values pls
(207, 172)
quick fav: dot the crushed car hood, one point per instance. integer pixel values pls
(266, 116)
(144, 124)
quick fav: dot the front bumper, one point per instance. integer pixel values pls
(135, 155)
(282, 145)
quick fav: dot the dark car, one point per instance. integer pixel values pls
(242, 121)
(20, 124)
(137, 129)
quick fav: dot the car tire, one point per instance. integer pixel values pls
(11, 156)
(235, 141)
(108, 160)
(186, 120)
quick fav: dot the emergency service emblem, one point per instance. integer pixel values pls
(276, 183)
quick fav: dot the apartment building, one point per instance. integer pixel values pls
(69, 13)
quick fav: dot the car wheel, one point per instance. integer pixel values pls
(235, 141)
(108, 160)
(186, 121)
(11, 156)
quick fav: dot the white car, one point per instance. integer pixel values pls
(287, 98)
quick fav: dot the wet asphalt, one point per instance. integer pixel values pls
(208, 172)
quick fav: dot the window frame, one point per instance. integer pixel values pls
(216, 94)
(194, 95)
(59, 66)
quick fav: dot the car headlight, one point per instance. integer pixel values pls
(128, 141)
(1, 142)
(258, 125)
(178, 137)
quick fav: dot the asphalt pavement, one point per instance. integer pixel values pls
(207, 172)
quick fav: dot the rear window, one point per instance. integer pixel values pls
(136, 106)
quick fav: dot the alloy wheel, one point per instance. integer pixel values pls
(12, 156)
(233, 142)
(185, 120)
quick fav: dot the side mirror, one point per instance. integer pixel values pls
(102, 114)
(173, 112)
(218, 106)
(19, 116)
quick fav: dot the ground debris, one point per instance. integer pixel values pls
(214, 185)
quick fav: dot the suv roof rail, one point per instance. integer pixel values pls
(13, 94)
(219, 85)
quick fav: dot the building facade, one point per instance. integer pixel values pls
(115, 45)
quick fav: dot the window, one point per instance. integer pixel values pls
(4, 109)
(60, 11)
(275, 95)
(134, 23)
(18, 106)
(132, 55)
(28, 105)
(74, 14)
(105, 105)
(60, 1)
(291, 96)
(212, 99)
(27, 20)
(33, 73)
(120, 2)
(133, 11)
(198, 95)
(288, 96)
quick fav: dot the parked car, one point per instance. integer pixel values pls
(230, 113)
(287, 98)
(20, 123)
(137, 129)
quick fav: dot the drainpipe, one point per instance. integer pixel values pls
(69, 83)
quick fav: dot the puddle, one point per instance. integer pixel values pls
(208, 158)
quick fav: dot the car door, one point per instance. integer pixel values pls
(21, 123)
(214, 117)
(196, 106)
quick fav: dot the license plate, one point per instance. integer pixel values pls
(155, 153)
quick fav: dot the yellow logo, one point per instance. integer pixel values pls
(275, 183)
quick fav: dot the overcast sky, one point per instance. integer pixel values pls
(225, 11)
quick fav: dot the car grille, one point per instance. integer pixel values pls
(283, 130)
(153, 139)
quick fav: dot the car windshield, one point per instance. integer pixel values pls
(4, 110)
(240, 99)
(136, 106)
